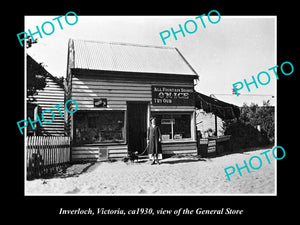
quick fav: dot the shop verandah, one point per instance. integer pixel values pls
(213, 143)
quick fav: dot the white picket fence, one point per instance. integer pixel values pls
(46, 154)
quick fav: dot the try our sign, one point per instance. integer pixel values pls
(172, 95)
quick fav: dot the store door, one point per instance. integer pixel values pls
(137, 126)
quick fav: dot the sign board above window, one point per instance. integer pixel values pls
(172, 95)
(100, 102)
(167, 121)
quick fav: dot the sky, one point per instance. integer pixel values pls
(234, 49)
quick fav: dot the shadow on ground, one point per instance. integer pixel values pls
(183, 160)
(74, 170)
(244, 151)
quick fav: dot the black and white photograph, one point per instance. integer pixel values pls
(151, 105)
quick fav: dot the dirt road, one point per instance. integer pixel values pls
(176, 175)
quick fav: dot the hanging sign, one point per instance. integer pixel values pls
(100, 102)
(167, 121)
(172, 95)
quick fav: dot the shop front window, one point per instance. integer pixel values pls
(99, 127)
(174, 126)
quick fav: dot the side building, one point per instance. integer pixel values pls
(50, 93)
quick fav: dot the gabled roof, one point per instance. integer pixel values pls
(34, 68)
(123, 57)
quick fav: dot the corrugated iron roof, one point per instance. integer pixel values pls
(106, 56)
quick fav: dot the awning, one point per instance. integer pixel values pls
(219, 108)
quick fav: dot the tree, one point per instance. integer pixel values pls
(36, 76)
(29, 42)
(266, 118)
(244, 131)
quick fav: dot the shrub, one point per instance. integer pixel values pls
(244, 132)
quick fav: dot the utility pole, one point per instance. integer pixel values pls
(216, 122)
(216, 126)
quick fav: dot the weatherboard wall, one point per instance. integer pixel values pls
(119, 91)
(50, 96)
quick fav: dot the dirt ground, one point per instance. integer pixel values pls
(174, 176)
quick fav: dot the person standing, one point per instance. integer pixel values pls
(154, 140)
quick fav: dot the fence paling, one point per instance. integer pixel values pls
(46, 153)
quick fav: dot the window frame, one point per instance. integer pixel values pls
(124, 141)
(190, 113)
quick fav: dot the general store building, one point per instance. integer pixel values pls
(117, 87)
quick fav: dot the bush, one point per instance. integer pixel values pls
(244, 132)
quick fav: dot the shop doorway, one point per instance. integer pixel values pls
(137, 126)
